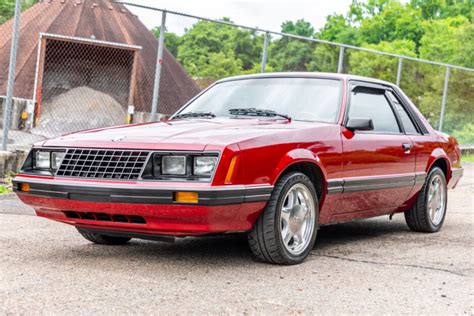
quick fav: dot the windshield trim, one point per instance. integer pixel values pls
(274, 76)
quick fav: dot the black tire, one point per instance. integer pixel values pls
(417, 218)
(265, 238)
(104, 240)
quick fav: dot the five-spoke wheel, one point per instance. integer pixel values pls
(436, 199)
(297, 218)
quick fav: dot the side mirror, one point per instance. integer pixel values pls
(360, 124)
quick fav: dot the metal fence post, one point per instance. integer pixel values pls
(7, 111)
(159, 61)
(340, 64)
(265, 52)
(443, 102)
(399, 71)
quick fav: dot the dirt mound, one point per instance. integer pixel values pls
(78, 109)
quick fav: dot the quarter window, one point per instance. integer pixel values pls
(405, 118)
(372, 103)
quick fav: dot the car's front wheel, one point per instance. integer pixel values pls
(104, 239)
(286, 231)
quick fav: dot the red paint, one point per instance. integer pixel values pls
(161, 219)
(266, 148)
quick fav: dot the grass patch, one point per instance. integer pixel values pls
(467, 158)
(6, 185)
(5, 189)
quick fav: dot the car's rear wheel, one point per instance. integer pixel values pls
(104, 239)
(286, 231)
(429, 210)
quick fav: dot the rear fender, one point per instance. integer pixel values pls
(437, 154)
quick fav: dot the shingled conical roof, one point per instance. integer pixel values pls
(102, 20)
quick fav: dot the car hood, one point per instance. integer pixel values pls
(195, 134)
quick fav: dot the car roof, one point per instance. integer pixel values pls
(328, 75)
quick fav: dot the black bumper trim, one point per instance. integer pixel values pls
(126, 234)
(221, 196)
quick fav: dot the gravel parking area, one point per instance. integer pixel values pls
(364, 267)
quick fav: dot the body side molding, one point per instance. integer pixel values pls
(359, 184)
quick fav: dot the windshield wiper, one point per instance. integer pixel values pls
(257, 112)
(195, 114)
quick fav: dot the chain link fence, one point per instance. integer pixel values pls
(82, 64)
(88, 64)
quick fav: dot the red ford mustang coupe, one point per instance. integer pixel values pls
(272, 155)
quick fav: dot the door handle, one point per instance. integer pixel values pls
(406, 147)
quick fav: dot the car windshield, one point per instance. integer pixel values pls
(306, 99)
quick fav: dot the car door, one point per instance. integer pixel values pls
(378, 164)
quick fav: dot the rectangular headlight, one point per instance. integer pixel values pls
(43, 159)
(56, 158)
(204, 166)
(173, 165)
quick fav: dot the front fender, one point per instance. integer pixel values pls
(296, 156)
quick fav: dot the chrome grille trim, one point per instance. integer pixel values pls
(118, 164)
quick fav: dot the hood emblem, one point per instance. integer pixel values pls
(119, 138)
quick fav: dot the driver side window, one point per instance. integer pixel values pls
(372, 103)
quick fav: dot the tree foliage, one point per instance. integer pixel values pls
(214, 50)
(7, 8)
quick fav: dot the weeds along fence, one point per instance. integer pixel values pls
(66, 66)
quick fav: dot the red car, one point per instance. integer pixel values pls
(273, 155)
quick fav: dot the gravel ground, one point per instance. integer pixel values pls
(366, 267)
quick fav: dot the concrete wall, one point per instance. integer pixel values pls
(19, 105)
(10, 162)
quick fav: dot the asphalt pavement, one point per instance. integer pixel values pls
(364, 267)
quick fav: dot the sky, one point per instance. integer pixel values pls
(265, 14)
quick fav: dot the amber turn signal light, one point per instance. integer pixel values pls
(230, 171)
(186, 197)
(23, 187)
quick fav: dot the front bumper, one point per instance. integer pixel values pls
(144, 207)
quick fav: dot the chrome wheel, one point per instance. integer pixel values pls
(297, 218)
(436, 200)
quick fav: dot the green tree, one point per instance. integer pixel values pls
(206, 38)
(394, 21)
(247, 46)
(339, 29)
(377, 65)
(7, 8)
(359, 10)
(172, 40)
(449, 40)
(300, 27)
(336, 29)
(441, 9)
(222, 65)
(290, 54)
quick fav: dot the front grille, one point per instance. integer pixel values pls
(103, 217)
(103, 164)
